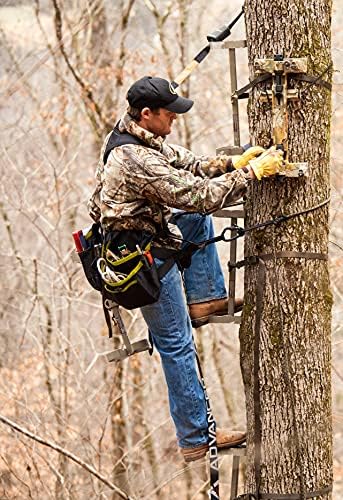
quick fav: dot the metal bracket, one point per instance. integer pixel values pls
(129, 348)
(294, 169)
(278, 96)
(229, 44)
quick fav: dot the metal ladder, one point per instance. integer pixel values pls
(233, 214)
(236, 454)
(238, 212)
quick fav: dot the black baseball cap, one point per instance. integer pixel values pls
(153, 92)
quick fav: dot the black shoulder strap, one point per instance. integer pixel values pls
(118, 138)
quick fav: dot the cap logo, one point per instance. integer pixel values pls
(172, 90)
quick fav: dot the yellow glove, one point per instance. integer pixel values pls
(240, 161)
(268, 163)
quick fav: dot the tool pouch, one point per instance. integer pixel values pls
(128, 271)
(90, 255)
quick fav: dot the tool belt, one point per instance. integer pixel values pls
(121, 265)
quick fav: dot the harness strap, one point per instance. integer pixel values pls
(296, 496)
(243, 93)
(294, 255)
(168, 255)
(253, 259)
(315, 80)
(118, 138)
(181, 257)
(107, 317)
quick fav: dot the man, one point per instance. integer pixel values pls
(138, 184)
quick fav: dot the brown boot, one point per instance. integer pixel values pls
(200, 313)
(225, 439)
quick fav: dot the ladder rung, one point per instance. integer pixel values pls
(229, 44)
(225, 319)
(229, 150)
(229, 212)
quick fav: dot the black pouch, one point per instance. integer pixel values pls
(90, 254)
(129, 273)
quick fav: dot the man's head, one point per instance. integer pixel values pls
(158, 104)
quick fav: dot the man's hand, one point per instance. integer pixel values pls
(268, 163)
(240, 161)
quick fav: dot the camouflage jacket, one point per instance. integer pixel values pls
(138, 186)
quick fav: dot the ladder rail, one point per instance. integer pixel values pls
(236, 213)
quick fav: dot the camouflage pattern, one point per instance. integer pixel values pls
(138, 186)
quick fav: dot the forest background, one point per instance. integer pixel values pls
(64, 70)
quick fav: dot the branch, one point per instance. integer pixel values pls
(86, 91)
(160, 22)
(13, 88)
(66, 453)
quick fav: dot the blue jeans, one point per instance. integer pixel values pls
(171, 330)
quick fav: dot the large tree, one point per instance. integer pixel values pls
(286, 354)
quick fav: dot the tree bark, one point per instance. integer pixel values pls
(294, 366)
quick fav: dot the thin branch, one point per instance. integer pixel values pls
(172, 477)
(66, 453)
(336, 244)
(17, 476)
(13, 88)
(85, 89)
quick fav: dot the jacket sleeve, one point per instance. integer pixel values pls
(93, 204)
(203, 166)
(150, 175)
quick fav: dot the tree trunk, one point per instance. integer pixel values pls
(294, 365)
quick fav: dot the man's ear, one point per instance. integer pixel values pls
(146, 113)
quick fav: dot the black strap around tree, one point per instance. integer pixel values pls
(312, 79)
(296, 496)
